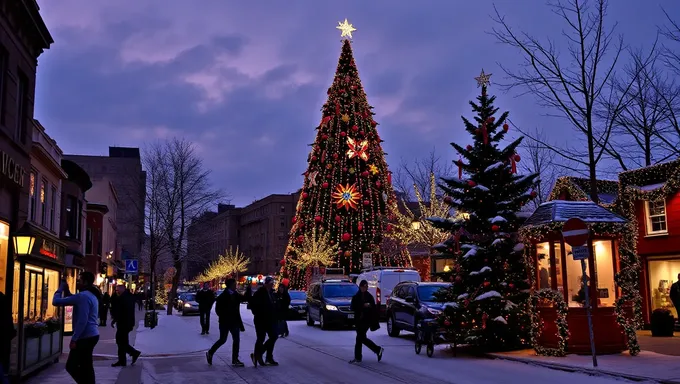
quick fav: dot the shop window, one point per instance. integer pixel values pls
(43, 203)
(39, 284)
(575, 292)
(656, 217)
(33, 197)
(4, 247)
(604, 273)
(662, 274)
(543, 254)
(443, 265)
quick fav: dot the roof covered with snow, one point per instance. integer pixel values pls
(561, 211)
(649, 178)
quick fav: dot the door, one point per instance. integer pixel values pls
(410, 307)
(315, 304)
(397, 300)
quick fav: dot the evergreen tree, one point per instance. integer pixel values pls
(490, 290)
(347, 189)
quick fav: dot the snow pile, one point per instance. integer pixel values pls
(481, 188)
(451, 305)
(498, 241)
(498, 219)
(509, 305)
(519, 247)
(494, 166)
(487, 295)
(500, 319)
(470, 253)
(463, 296)
(483, 270)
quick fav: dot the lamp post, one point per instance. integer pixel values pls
(23, 241)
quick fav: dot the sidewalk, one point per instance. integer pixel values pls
(647, 366)
(106, 347)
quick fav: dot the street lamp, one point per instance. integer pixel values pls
(23, 241)
(415, 225)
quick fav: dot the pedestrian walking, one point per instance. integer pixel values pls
(7, 333)
(366, 317)
(283, 304)
(104, 304)
(228, 310)
(140, 301)
(124, 321)
(85, 331)
(264, 318)
(205, 299)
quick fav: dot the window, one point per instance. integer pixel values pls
(53, 212)
(656, 217)
(4, 246)
(21, 111)
(283, 209)
(73, 218)
(32, 199)
(43, 203)
(662, 274)
(39, 284)
(88, 241)
(543, 255)
(604, 273)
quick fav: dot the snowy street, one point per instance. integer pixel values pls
(175, 354)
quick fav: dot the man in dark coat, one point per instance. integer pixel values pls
(104, 304)
(228, 309)
(263, 305)
(123, 313)
(675, 295)
(366, 317)
(7, 333)
(205, 299)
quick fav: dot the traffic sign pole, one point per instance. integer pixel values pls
(576, 234)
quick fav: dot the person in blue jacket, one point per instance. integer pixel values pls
(85, 326)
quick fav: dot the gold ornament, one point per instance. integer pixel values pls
(346, 28)
(345, 118)
(312, 178)
(315, 251)
(346, 196)
(357, 149)
(373, 169)
(483, 80)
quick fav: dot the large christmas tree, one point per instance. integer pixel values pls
(347, 191)
(490, 289)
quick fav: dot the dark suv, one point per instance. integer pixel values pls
(328, 302)
(410, 303)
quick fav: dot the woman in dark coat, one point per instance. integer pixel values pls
(283, 302)
(104, 304)
(366, 317)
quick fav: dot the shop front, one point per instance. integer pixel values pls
(559, 281)
(75, 264)
(661, 272)
(38, 267)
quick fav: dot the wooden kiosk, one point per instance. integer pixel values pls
(553, 268)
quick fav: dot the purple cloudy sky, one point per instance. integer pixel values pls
(245, 80)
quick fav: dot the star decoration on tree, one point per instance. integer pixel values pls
(345, 118)
(346, 28)
(312, 178)
(483, 80)
(346, 196)
(373, 169)
(357, 149)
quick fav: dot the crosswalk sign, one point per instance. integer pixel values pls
(131, 266)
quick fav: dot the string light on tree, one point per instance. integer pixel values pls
(483, 80)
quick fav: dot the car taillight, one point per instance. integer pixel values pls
(377, 296)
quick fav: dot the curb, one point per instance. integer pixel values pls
(590, 371)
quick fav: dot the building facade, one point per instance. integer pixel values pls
(102, 245)
(123, 168)
(260, 230)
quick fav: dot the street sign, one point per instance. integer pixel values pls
(131, 266)
(367, 260)
(580, 253)
(575, 232)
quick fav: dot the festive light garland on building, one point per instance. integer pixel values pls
(555, 298)
(575, 188)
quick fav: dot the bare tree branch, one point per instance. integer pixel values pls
(539, 159)
(418, 173)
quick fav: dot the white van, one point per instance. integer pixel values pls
(381, 281)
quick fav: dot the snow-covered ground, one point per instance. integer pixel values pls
(173, 353)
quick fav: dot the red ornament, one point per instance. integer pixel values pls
(388, 228)
(313, 158)
(469, 147)
(366, 202)
(338, 219)
(344, 169)
(517, 158)
(305, 195)
(355, 128)
(448, 199)
(389, 177)
(491, 119)
(471, 183)
(364, 173)
(362, 133)
(373, 123)
(533, 194)
(294, 219)
(325, 185)
(486, 284)
(378, 184)
(511, 286)
(282, 262)
(317, 219)
(343, 134)
(360, 226)
(300, 239)
(335, 156)
(326, 119)
(495, 228)
(285, 282)
(458, 279)
(447, 323)
(346, 236)
(506, 127)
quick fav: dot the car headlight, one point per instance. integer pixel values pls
(187, 305)
(434, 311)
(331, 307)
(290, 307)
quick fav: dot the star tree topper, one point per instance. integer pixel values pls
(483, 80)
(346, 28)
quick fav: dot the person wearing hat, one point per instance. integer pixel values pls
(283, 302)
(263, 306)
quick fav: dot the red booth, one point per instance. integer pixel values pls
(555, 273)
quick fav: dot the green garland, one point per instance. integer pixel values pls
(557, 301)
(575, 188)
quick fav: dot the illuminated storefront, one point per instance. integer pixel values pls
(662, 273)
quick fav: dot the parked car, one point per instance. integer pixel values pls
(328, 302)
(410, 303)
(382, 280)
(298, 305)
(189, 304)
